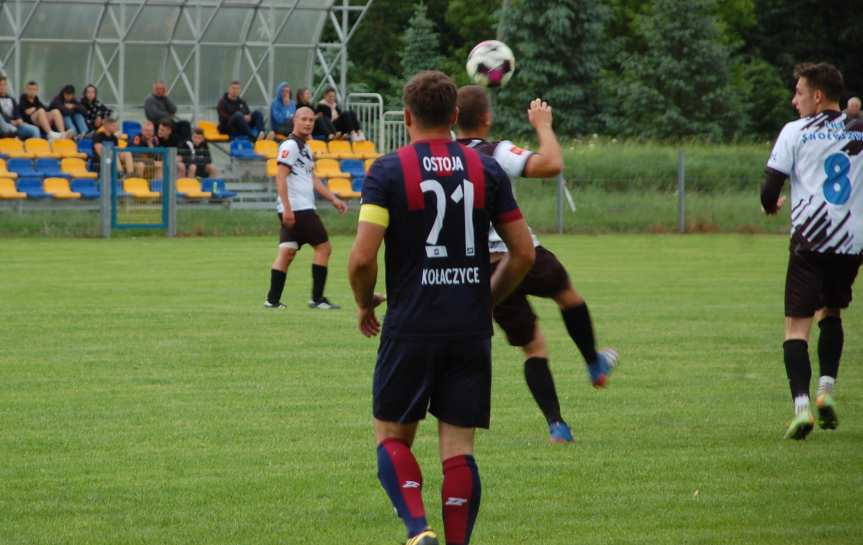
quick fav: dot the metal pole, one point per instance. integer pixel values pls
(171, 190)
(681, 192)
(106, 199)
(343, 80)
(560, 188)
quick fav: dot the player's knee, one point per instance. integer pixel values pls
(568, 297)
(324, 250)
(536, 348)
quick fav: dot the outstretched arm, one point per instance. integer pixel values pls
(325, 192)
(547, 161)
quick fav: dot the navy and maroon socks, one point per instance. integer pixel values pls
(401, 477)
(460, 497)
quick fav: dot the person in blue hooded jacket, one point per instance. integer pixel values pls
(282, 110)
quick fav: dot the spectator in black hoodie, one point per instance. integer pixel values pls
(235, 118)
(34, 112)
(71, 109)
(200, 163)
(167, 138)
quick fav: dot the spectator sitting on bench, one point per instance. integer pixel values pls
(71, 109)
(200, 163)
(324, 127)
(108, 135)
(165, 138)
(95, 113)
(10, 117)
(146, 164)
(235, 118)
(34, 112)
(282, 110)
(345, 121)
(158, 107)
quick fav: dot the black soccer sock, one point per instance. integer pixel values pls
(580, 328)
(541, 385)
(277, 285)
(319, 279)
(797, 366)
(830, 345)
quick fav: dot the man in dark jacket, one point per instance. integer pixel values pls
(235, 118)
(71, 109)
(10, 117)
(158, 107)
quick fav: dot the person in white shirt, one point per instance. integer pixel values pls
(822, 154)
(300, 224)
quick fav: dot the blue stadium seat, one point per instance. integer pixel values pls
(131, 129)
(354, 167)
(217, 187)
(357, 183)
(89, 189)
(85, 145)
(156, 186)
(241, 148)
(50, 168)
(23, 167)
(32, 186)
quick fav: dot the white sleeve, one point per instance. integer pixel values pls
(782, 156)
(289, 152)
(511, 158)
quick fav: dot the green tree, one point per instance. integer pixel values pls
(679, 86)
(557, 45)
(421, 44)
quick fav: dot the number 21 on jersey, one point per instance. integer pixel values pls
(463, 194)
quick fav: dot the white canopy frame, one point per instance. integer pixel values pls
(192, 45)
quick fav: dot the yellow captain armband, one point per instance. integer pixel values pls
(373, 213)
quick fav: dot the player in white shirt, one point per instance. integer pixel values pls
(822, 154)
(548, 277)
(300, 224)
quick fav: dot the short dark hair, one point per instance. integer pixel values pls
(168, 122)
(3, 77)
(330, 90)
(235, 82)
(822, 76)
(68, 89)
(199, 131)
(473, 104)
(431, 97)
(31, 82)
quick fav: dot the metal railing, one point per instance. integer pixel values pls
(369, 109)
(395, 134)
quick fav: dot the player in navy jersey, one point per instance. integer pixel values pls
(431, 203)
(300, 224)
(822, 153)
(548, 277)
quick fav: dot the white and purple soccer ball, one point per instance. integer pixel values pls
(491, 63)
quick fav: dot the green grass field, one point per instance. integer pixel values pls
(147, 398)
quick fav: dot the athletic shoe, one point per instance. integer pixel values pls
(426, 537)
(69, 133)
(601, 369)
(559, 432)
(54, 135)
(827, 418)
(800, 426)
(268, 304)
(323, 304)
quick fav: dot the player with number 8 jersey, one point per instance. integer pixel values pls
(822, 154)
(431, 203)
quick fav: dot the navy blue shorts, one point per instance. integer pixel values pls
(449, 378)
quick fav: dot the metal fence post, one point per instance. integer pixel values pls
(560, 188)
(681, 192)
(106, 199)
(171, 190)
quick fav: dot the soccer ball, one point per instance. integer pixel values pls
(490, 63)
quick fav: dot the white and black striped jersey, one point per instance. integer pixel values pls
(295, 154)
(512, 160)
(823, 156)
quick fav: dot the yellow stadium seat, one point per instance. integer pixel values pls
(77, 168)
(4, 172)
(329, 168)
(139, 189)
(341, 149)
(40, 148)
(8, 191)
(267, 148)
(59, 188)
(65, 147)
(271, 167)
(211, 131)
(368, 164)
(13, 148)
(365, 149)
(319, 149)
(342, 188)
(191, 188)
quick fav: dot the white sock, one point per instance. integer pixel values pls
(801, 404)
(825, 385)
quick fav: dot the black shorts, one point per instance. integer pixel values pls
(307, 229)
(815, 281)
(449, 378)
(514, 315)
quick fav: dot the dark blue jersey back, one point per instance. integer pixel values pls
(441, 196)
